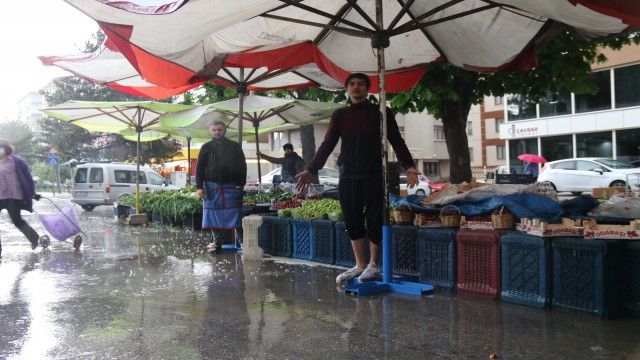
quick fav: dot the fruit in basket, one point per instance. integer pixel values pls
(449, 212)
(286, 204)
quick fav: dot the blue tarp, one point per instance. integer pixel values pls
(530, 206)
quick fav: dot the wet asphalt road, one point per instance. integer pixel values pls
(153, 293)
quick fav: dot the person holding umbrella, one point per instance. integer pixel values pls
(291, 163)
(361, 186)
(17, 190)
(221, 173)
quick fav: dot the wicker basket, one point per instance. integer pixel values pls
(403, 217)
(503, 221)
(450, 220)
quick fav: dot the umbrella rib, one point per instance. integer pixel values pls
(417, 25)
(364, 33)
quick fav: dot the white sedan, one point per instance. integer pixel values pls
(423, 188)
(583, 174)
(326, 176)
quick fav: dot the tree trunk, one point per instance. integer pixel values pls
(454, 120)
(308, 139)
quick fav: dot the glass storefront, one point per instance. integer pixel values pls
(556, 104)
(598, 144)
(557, 147)
(519, 147)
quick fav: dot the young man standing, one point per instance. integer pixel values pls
(291, 163)
(361, 189)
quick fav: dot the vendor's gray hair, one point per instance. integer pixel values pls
(216, 123)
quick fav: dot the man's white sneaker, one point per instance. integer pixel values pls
(349, 274)
(370, 274)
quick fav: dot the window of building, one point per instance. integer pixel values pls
(470, 154)
(438, 132)
(518, 147)
(277, 140)
(430, 168)
(401, 129)
(599, 101)
(520, 108)
(500, 152)
(627, 86)
(469, 127)
(498, 100)
(499, 121)
(627, 148)
(295, 139)
(556, 103)
(598, 144)
(557, 147)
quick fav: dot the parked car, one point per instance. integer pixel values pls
(326, 176)
(104, 183)
(583, 174)
(423, 188)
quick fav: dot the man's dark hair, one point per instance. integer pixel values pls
(287, 146)
(362, 76)
(8, 149)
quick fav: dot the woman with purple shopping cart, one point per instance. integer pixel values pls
(16, 190)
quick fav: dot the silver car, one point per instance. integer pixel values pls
(583, 174)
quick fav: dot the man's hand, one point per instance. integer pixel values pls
(412, 177)
(303, 180)
(200, 193)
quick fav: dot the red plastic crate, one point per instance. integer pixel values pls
(479, 262)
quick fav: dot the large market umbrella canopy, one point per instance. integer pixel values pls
(134, 120)
(265, 68)
(473, 34)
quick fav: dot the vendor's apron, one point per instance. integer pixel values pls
(222, 206)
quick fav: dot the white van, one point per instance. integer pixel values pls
(104, 183)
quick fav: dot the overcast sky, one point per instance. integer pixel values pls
(30, 28)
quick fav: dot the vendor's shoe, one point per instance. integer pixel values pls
(348, 275)
(213, 248)
(370, 274)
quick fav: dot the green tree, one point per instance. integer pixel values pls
(20, 136)
(447, 92)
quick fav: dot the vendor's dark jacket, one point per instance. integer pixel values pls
(221, 161)
(291, 163)
(358, 126)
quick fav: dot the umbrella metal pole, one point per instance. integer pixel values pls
(387, 284)
(189, 160)
(255, 127)
(138, 174)
(241, 90)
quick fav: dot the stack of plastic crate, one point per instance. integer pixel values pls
(302, 239)
(526, 270)
(275, 236)
(324, 244)
(479, 262)
(437, 257)
(586, 276)
(405, 249)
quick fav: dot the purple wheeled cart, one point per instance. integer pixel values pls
(61, 226)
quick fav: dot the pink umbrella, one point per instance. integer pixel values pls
(532, 158)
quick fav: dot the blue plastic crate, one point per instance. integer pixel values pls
(631, 277)
(437, 257)
(302, 239)
(526, 270)
(276, 236)
(405, 249)
(344, 251)
(265, 234)
(324, 243)
(585, 276)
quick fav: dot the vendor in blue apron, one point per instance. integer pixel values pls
(221, 173)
